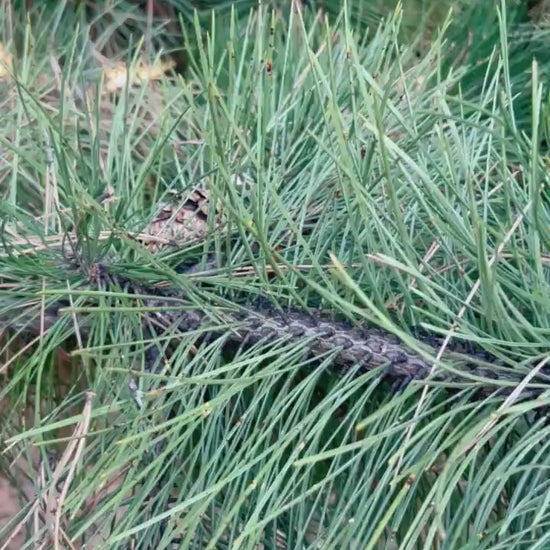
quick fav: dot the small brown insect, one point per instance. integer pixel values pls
(269, 67)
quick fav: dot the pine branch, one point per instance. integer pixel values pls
(361, 348)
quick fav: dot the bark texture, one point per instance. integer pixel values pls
(362, 348)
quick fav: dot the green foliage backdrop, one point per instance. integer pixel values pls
(356, 173)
